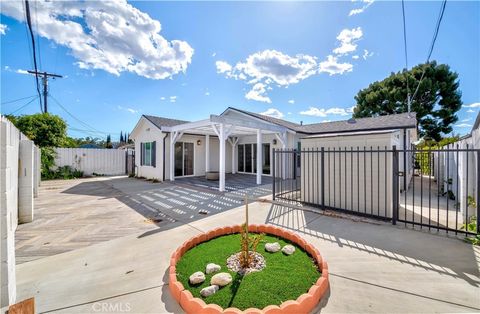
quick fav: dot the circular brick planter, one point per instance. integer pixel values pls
(303, 304)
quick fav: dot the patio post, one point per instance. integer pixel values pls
(172, 156)
(221, 183)
(259, 156)
(207, 153)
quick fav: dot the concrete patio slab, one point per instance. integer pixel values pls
(374, 267)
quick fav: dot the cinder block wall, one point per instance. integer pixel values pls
(19, 182)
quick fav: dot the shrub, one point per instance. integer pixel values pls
(65, 172)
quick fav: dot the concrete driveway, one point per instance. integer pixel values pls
(374, 267)
(72, 214)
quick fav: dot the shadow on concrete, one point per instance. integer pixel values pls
(170, 204)
(431, 252)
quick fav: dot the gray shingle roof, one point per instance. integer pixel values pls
(290, 125)
(393, 121)
(160, 121)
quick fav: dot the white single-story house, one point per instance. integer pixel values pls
(168, 148)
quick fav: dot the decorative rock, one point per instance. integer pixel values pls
(208, 291)
(212, 268)
(197, 277)
(288, 249)
(221, 279)
(272, 247)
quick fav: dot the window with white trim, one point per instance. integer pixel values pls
(147, 151)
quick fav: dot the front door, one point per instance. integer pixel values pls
(184, 157)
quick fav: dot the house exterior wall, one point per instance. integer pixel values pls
(339, 191)
(148, 133)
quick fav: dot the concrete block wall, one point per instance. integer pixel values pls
(26, 181)
(19, 182)
(9, 144)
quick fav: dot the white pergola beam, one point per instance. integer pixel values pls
(248, 124)
(207, 153)
(221, 137)
(282, 138)
(259, 156)
(233, 142)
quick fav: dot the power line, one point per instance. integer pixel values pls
(28, 103)
(15, 100)
(406, 53)
(77, 119)
(29, 23)
(432, 45)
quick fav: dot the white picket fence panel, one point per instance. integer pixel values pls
(92, 160)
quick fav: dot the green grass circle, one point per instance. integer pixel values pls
(284, 278)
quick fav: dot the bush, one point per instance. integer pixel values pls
(65, 172)
(48, 161)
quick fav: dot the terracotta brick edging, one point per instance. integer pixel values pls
(303, 304)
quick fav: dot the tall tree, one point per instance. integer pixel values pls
(435, 103)
(108, 144)
(121, 137)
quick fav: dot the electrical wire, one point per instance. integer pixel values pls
(15, 100)
(432, 45)
(29, 23)
(89, 127)
(28, 103)
(406, 53)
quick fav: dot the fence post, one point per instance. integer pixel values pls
(478, 193)
(273, 174)
(394, 185)
(322, 178)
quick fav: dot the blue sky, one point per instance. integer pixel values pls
(303, 61)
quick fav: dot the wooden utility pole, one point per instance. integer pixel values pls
(45, 77)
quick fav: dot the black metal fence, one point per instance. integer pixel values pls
(429, 188)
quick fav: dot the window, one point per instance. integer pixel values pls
(147, 151)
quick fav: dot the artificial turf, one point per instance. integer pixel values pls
(284, 277)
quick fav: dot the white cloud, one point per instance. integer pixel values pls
(366, 54)
(366, 4)
(214, 54)
(332, 66)
(466, 120)
(271, 66)
(223, 67)
(291, 101)
(463, 125)
(316, 112)
(347, 39)
(207, 93)
(162, 98)
(20, 71)
(112, 36)
(355, 57)
(272, 112)
(173, 98)
(131, 110)
(470, 111)
(3, 29)
(473, 105)
(258, 93)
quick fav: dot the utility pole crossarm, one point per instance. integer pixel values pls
(45, 77)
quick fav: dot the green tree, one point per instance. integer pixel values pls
(436, 102)
(44, 129)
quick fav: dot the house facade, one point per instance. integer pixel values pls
(228, 143)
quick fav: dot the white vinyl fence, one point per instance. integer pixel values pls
(92, 160)
(19, 181)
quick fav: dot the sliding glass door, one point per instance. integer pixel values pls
(247, 158)
(184, 159)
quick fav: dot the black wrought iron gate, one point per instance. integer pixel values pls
(434, 188)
